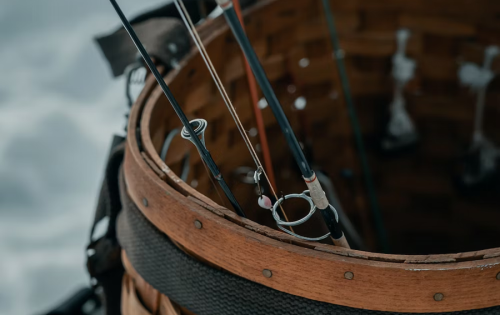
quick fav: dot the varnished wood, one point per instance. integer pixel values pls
(135, 289)
(130, 303)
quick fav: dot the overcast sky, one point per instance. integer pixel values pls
(59, 107)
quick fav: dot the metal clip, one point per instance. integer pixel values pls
(256, 178)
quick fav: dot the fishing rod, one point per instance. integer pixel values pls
(188, 132)
(339, 58)
(316, 192)
(252, 87)
(352, 234)
(263, 200)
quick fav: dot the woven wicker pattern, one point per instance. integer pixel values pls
(415, 189)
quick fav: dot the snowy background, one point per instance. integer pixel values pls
(59, 107)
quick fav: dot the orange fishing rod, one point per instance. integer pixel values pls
(252, 86)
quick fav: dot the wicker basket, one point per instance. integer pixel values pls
(427, 221)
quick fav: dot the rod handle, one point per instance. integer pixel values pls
(341, 242)
(316, 191)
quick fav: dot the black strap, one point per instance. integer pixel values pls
(74, 305)
(166, 39)
(104, 254)
(109, 204)
(156, 29)
(204, 290)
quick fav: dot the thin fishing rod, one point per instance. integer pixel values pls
(339, 58)
(316, 191)
(204, 153)
(213, 72)
(265, 85)
(252, 87)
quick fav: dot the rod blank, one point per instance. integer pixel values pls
(205, 154)
(309, 176)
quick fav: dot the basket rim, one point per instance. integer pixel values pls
(408, 282)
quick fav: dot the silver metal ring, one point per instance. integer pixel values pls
(281, 223)
(199, 126)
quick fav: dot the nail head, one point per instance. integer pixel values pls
(438, 297)
(198, 224)
(349, 275)
(145, 202)
(498, 276)
(267, 273)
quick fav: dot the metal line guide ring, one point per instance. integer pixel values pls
(199, 126)
(304, 195)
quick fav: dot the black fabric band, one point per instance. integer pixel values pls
(104, 253)
(205, 290)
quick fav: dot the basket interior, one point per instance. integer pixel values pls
(422, 208)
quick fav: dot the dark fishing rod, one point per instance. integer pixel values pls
(312, 182)
(190, 134)
(339, 58)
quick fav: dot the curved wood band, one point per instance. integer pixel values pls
(395, 283)
(139, 298)
(314, 274)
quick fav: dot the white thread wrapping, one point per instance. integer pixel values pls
(478, 78)
(400, 123)
(316, 191)
(403, 70)
(475, 76)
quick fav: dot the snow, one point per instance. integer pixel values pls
(59, 108)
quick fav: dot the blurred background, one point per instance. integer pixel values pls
(59, 108)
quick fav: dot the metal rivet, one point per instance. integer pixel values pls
(349, 275)
(438, 297)
(197, 224)
(145, 202)
(267, 273)
(498, 276)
